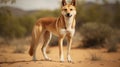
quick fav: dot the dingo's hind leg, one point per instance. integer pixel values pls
(47, 38)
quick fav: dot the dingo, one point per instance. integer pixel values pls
(63, 26)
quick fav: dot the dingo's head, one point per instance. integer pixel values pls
(68, 10)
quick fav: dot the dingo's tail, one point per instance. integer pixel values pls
(36, 34)
(31, 51)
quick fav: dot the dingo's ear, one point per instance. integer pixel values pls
(64, 2)
(73, 2)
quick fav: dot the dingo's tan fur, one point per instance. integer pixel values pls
(63, 26)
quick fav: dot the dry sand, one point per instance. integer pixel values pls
(81, 58)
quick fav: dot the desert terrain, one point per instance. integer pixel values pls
(81, 58)
(98, 24)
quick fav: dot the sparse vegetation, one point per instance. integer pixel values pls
(112, 43)
(95, 34)
(54, 41)
(98, 24)
(105, 17)
(14, 25)
(19, 49)
(112, 48)
(94, 57)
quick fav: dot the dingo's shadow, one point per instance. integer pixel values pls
(12, 62)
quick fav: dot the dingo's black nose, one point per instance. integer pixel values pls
(68, 14)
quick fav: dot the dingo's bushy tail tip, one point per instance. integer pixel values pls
(31, 51)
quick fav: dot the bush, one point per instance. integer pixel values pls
(54, 41)
(9, 25)
(95, 34)
(27, 22)
(112, 43)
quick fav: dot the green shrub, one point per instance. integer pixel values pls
(27, 22)
(95, 34)
(9, 25)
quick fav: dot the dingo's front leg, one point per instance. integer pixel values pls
(61, 49)
(69, 42)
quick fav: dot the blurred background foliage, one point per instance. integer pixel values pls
(96, 23)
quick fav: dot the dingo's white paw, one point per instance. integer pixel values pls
(61, 60)
(69, 58)
(48, 59)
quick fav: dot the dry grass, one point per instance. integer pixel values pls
(112, 45)
(19, 49)
(112, 48)
(19, 45)
(94, 57)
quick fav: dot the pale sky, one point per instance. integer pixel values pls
(37, 4)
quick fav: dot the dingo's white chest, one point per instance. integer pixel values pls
(67, 31)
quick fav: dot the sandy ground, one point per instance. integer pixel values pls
(81, 58)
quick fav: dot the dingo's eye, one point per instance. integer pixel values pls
(71, 9)
(65, 9)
